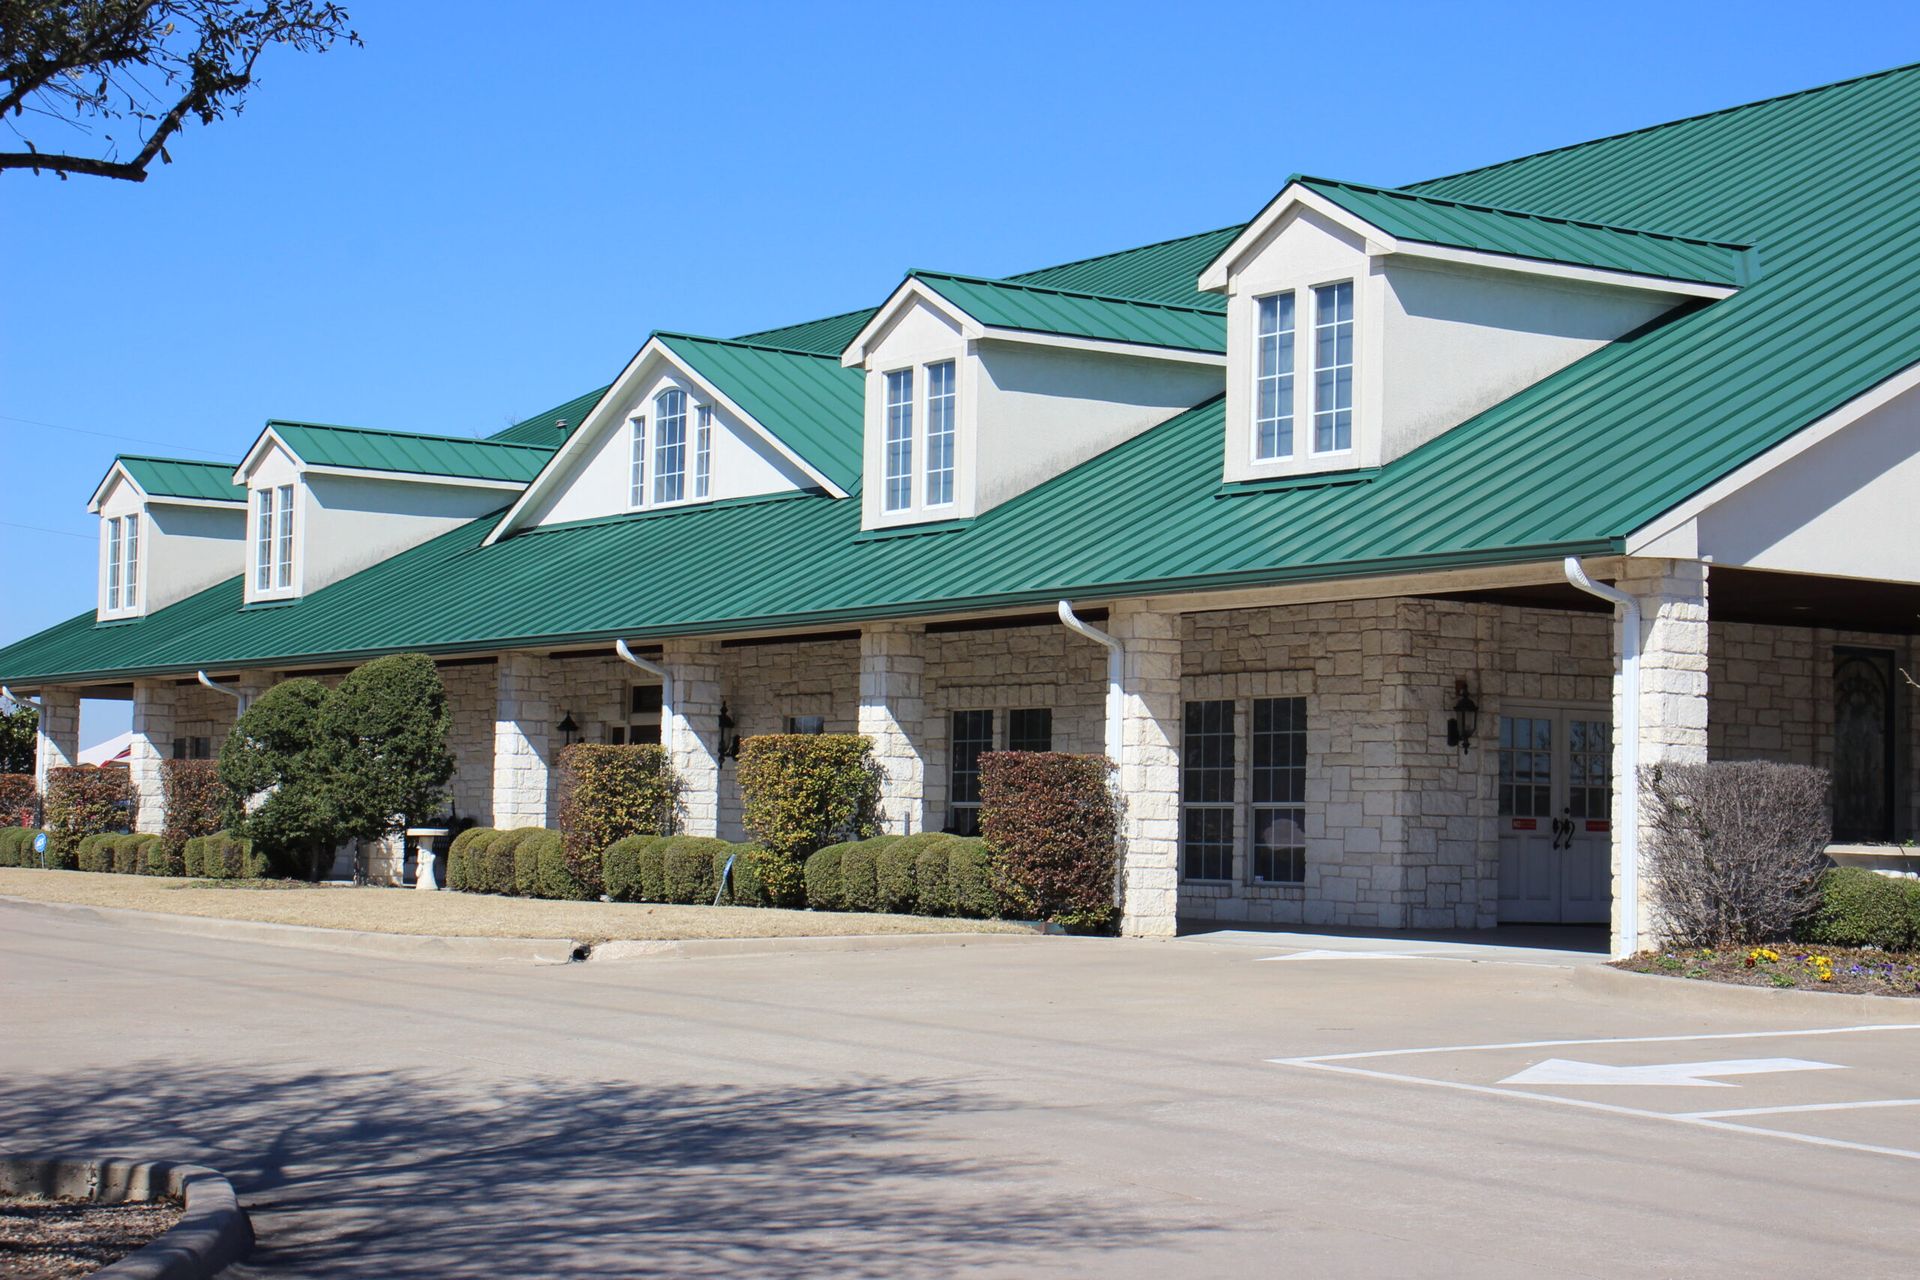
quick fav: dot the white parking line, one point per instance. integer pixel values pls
(1805, 1106)
(1335, 1062)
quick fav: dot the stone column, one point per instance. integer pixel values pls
(893, 714)
(690, 730)
(1673, 695)
(57, 741)
(1150, 768)
(154, 704)
(522, 723)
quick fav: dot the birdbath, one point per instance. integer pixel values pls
(423, 838)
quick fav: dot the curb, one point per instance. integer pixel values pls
(212, 1232)
(1698, 993)
(690, 948)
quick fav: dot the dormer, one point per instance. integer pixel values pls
(323, 501)
(977, 390)
(693, 421)
(1363, 322)
(168, 528)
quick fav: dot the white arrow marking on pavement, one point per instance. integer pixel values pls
(1351, 955)
(1683, 1074)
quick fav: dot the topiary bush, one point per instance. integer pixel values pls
(93, 853)
(893, 875)
(164, 858)
(932, 871)
(745, 885)
(858, 887)
(17, 794)
(824, 892)
(621, 875)
(689, 867)
(515, 868)
(970, 872)
(1053, 825)
(463, 857)
(130, 852)
(84, 801)
(1860, 908)
(608, 793)
(802, 792)
(553, 873)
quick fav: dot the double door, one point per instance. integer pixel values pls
(1556, 808)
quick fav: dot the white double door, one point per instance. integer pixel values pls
(1555, 805)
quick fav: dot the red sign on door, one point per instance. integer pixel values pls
(1599, 824)
(1526, 824)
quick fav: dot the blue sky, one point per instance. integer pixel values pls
(466, 222)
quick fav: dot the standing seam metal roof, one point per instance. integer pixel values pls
(325, 445)
(1045, 309)
(183, 478)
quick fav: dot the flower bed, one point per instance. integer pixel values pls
(1856, 970)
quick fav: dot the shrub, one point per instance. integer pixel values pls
(690, 867)
(893, 875)
(130, 852)
(93, 853)
(1861, 908)
(16, 799)
(746, 885)
(493, 863)
(225, 856)
(1734, 848)
(164, 858)
(970, 871)
(16, 846)
(802, 792)
(191, 802)
(858, 889)
(193, 857)
(1053, 825)
(385, 729)
(608, 793)
(620, 868)
(275, 774)
(463, 857)
(553, 875)
(782, 876)
(516, 864)
(84, 801)
(823, 879)
(932, 856)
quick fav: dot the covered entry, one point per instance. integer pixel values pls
(1555, 802)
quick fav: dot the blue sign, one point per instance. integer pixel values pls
(40, 843)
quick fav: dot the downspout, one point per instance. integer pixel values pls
(239, 698)
(1627, 733)
(1116, 660)
(653, 669)
(16, 699)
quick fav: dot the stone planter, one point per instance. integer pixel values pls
(212, 1232)
(1899, 861)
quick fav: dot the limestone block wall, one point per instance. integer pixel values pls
(471, 689)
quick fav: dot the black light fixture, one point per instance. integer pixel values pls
(1465, 720)
(568, 728)
(729, 737)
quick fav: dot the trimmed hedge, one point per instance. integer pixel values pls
(608, 793)
(690, 866)
(84, 801)
(1861, 908)
(859, 889)
(746, 884)
(929, 874)
(801, 792)
(932, 872)
(17, 793)
(1054, 826)
(93, 853)
(130, 852)
(463, 857)
(553, 872)
(620, 868)
(164, 858)
(823, 879)
(225, 856)
(970, 873)
(16, 847)
(893, 875)
(191, 800)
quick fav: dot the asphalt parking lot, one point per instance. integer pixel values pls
(1009, 1107)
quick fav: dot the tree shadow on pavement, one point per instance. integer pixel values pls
(398, 1175)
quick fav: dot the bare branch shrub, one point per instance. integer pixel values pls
(1734, 848)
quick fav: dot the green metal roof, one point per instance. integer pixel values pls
(807, 400)
(544, 429)
(183, 478)
(1044, 309)
(828, 337)
(324, 445)
(1165, 272)
(1431, 220)
(1563, 467)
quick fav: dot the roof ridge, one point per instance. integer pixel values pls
(408, 435)
(1668, 124)
(1009, 283)
(1400, 193)
(187, 462)
(745, 337)
(752, 346)
(1118, 253)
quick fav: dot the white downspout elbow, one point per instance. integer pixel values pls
(239, 698)
(1627, 734)
(665, 677)
(1116, 668)
(16, 699)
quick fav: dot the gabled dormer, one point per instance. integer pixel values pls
(1363, 322)
(693, 421)
(168, 528)
(326, 501)
(977, 390)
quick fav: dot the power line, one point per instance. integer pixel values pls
(59, 533)
(109, 435)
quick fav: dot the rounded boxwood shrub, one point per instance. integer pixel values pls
(130, 852)
(620, 868)
(463, 857)
(16, 847)
(689, 867)
(193, 857)
(858, 888)
(225, 856)
(1860, 908)
(932, 871)
(823, 879)
(94, 853)
(970, 871)
(165, 857)
(746, 885)
(493, 861)
(893, 875)
(554, 875)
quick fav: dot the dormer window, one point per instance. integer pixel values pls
(940, 434)
(899, 440)
(703, 452)
(1279, 400)
(670, 446)
(1333, 367)
(1273, 415)
(935, 449)
(123, 563)
(273, 539)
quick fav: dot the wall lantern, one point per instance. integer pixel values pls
(568, 728)
(729, 735)
(1465, 720)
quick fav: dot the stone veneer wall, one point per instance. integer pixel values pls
(763, 684)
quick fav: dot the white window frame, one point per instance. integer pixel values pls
(283, 541)
(893, 409)
(669, 445)
(113, 564)
(637, 457)
(263, 504)
(949, 420)
(1351, 366)
(1287, 381)
(703, 451)
(130, 564)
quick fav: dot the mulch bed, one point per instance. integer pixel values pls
(56, 1239)
(1856, 970)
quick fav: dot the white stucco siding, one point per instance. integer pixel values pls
(918, 336)
(352, 522)
(189, 549)
(599, 480)
(119, 502)
(1844, 505)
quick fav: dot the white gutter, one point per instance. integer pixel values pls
(15, 698)
(239, 698)
(1627, 734)
(1116, 667)
(652, 669)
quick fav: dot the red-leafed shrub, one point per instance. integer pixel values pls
(1053, 825)
(84, 801)
(608, 793)
(16, 799)
(191, 801)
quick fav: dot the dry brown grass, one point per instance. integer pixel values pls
(457, 915)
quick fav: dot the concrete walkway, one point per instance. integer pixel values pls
(1559, 945)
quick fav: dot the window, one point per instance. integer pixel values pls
(283, 570)
(263, 541)
(1206, 791)
(1278, 782)
(1030, 730)
(806, 724)
(1273, 388)
(972, 738)
(637, 481)
(113, 563)
(703, 452)
(898, 489)
(642, 722)
(1526, 766)
(130, 579)
(193, 748)
(940, 434)
(1333, 367)
(670, 446)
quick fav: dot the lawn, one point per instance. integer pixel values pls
(447, 914)
(1857, 970)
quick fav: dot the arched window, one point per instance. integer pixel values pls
(670, 446)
